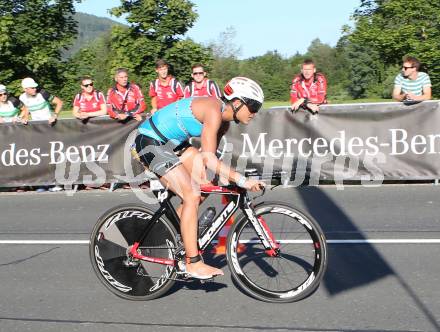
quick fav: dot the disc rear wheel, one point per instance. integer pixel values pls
(110, 241)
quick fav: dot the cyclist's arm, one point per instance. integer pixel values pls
(211, 125)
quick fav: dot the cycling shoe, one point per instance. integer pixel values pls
(201, 276)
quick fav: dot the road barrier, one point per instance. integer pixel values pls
(370, 143)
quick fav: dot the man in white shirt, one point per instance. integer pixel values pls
(39, 102)
(11, 109)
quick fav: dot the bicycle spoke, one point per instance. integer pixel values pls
(286, 276)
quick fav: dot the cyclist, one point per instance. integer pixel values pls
(163, 147)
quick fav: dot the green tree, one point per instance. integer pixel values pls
(225, 64)
(92, 60)
(155, 31)
(273, 72)
(185, 53)
(366, 70)
(395, 28)
(324, 57)
(32, 37)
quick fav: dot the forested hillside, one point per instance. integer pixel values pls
(90, 27)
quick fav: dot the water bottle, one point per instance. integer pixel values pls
(206, 218)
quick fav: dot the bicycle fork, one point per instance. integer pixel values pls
(265, 235)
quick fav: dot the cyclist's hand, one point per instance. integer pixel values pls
(254, 185)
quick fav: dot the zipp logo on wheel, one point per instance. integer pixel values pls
(107, 275)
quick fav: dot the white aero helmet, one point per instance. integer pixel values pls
(247, 90)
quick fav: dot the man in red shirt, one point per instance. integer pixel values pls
(125, 99)
(201, 86)
(89, 102)
(309, 89)
(165, 89)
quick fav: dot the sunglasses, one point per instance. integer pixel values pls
(252, 105)
(87, 85)
(198, 73)
(405, 68)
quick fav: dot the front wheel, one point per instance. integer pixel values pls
(291, 275)
(113, 235)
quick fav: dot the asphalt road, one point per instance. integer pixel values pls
(367, 287)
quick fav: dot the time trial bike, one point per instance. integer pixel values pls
(275, 252)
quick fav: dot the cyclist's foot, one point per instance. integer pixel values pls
(202, 271)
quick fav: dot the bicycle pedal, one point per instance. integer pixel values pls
(203, 281)
(185, 277)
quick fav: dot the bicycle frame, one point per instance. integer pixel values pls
(237, 197)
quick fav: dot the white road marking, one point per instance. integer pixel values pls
(385, 241)
(44, 241)
(358, 241)
(342, 241)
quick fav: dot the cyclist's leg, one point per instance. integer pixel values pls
(191, 158)
(161, 160)
(179, 181)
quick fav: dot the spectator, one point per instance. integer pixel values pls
(309, 89)
(165, 89)
(200, 85)
(125, 100)
(39, 102)
(90, 102)
(10, 108)
(410, 84)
